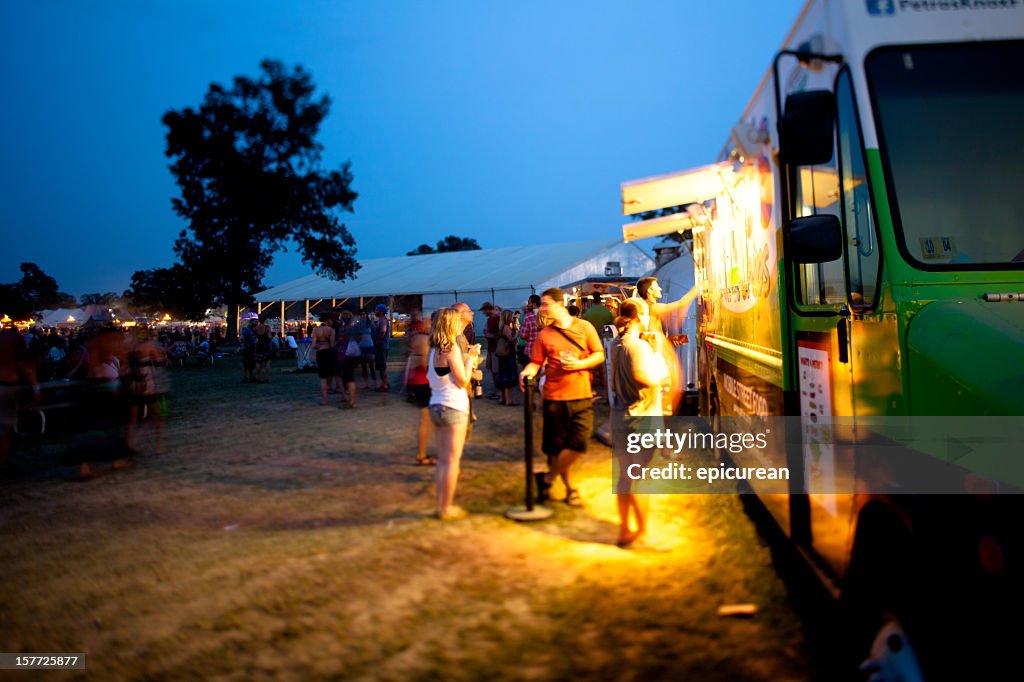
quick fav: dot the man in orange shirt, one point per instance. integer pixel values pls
(567, 348)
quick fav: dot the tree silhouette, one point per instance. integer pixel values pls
(248, 166)
(34, 292)
(169, 290)
(448, 244)
(109, 299)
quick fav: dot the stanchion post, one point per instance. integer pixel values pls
(528, 438)
(529, 512)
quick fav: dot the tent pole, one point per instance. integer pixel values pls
(282, 318)
(307, 313)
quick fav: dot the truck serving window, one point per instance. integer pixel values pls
(950, 134)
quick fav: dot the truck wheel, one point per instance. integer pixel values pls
(891, 656)
(882, 602)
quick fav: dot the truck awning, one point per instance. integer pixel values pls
(673, 189)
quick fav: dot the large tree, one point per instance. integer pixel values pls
(35, 291)
(248, 166)
(446, 245)
(171, 291)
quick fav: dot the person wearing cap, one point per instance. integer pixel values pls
(381, 341)
(491, 333)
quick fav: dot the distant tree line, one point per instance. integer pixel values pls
(37, 291)
(449, 243)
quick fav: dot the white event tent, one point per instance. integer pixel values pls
(504, 276)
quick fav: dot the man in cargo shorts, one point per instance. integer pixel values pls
(567, 348)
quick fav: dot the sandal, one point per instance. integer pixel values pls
(426, 461)
(572, 498)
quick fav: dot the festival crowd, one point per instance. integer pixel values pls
(555, 346)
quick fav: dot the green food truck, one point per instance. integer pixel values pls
(859, 252)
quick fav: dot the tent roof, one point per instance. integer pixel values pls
(505, 268)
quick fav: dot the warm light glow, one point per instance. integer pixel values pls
(824, 182)
(673, 533)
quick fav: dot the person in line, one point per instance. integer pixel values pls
(262, 350)
(381, 344)
(349, 355)
(326, 356)
(418, 384)
(465, 339)
(507, 369)
(363, 333)
(448, 372)
(648, 289)
(599, 315)
(148, 388)
(469, 337)
(567, 349)
(248, 341)
(638, 375)
(491, 328)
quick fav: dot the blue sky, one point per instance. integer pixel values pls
(511, 123)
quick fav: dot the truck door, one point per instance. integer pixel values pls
(832, 318)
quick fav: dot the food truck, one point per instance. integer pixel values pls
(859, 251)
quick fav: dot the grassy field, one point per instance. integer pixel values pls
(279, 539)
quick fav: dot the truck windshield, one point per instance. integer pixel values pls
(951, 138)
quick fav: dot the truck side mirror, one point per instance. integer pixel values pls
(805, 131)
(815, 239)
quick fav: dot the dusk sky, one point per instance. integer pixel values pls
(511, 123)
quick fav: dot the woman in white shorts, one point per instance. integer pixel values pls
(448, 372)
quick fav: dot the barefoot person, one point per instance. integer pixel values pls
(448, 372)
(637, 377)
(567, 349)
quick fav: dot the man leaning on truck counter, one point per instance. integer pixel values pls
(648, 289)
